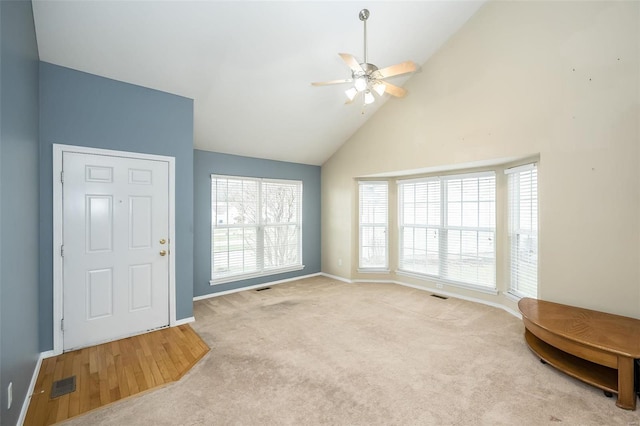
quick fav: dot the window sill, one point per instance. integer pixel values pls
(513, 296)
(256, 275)
(480, 289)
(373, 270)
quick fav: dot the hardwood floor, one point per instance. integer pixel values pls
(112, 371)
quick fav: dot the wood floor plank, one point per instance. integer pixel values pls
(74, 397)
(84, 381)
(105, 392)
(123, 384)
(52, 412)
(63, 408)
(112, 371)
(94, 390)
(155, 371)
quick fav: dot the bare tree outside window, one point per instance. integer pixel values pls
(255, 226)
(281, 232)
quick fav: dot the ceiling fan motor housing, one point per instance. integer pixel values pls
(368, 71)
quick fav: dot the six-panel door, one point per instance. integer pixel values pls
(115, 236)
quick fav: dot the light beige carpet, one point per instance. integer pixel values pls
(318, 351)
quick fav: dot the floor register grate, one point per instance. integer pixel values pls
(63, 387)
(437, 296)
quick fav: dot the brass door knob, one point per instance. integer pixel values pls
(163, 252)
(163, 241)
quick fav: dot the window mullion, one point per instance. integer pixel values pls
(443, 243)
(260, 228)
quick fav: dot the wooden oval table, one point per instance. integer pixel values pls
(598, 348)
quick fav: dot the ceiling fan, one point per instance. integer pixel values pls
(367, 78)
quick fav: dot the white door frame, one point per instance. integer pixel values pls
(58, 288)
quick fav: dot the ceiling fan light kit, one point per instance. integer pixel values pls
(367, 78)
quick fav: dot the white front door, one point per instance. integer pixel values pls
(115, 219)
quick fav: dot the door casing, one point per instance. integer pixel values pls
(58, 288)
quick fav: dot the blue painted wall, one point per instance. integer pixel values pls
(18, 204)
(206, 163)
(77, 108)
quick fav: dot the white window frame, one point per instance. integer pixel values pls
(443, 228)
(521, 283)
(260, 226)
(375, 224)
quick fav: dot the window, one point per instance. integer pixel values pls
(373, 225)
(523, 230)
(255, 227)
(447, 228)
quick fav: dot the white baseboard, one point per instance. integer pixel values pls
(32, 386)
(253, 287)
(335, 277)
(48, 354)
(348, 281)
(432, 290)
(184, 321)
(459, 296)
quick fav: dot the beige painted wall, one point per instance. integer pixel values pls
(556, 79)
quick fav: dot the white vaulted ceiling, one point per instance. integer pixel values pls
(248, 65)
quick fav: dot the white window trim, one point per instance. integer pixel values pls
(417, 180)
(435, 279)
(374, 270)
(471, 175)
(522, 168)
(265, 272)
(243, 277)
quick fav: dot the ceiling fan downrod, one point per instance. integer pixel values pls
(364, 15)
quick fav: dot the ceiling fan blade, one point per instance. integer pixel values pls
(351, 62)
(397, 69)
(326, 83)
(393, 90)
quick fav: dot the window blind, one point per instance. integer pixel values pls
(470, 230)
(255, 226)
(447, 228)
(373, 220)
(523, 230)
(281, 213)
(420, 217)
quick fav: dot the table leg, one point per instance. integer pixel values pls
(626, 394)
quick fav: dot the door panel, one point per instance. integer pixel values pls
(140, 286)
(115, 225)
(99, 223)
(99, 293)
(140, 210)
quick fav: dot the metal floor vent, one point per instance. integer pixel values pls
(264, 288)
(439, 297)
(63, 387)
